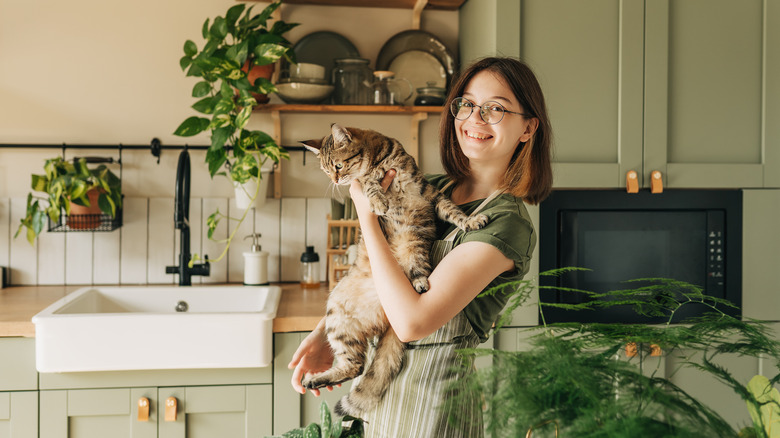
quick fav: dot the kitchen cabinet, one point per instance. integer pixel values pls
(19, 414)
(205, 411)
(687, 88)
(702, 386)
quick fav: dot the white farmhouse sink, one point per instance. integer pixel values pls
(139, 328)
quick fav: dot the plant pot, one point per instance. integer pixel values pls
(244, 191)
(85, 218)
(259, 71)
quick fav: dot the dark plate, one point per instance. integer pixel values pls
(322, 48)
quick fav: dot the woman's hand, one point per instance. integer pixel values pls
(359, 199)
(313, 356)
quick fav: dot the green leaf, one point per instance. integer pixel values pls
(202, 88)
(39, 183)
(233, 14)
(212, 222)
(204, 30)
(192, 126)
(218, 29)
(268, 53)
(206, 105)
(185, 62)
(312, 431)
(239, 52)
(190, 49)
(767, 415)
(243, 117)
(325, 420)
(215, 159)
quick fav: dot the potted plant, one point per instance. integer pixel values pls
(577, 380)
(235, 45)
(68, 186)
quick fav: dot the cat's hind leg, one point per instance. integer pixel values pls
(367, 393)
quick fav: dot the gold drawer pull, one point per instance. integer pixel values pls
(171, 405)
(143, 409)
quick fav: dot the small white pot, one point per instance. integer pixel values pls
(245, 191)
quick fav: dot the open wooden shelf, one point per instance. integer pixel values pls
(375, 109)
(447, 5)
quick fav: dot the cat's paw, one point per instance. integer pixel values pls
(475, 222)
(379, 206)
(315, 382)
(420, 284)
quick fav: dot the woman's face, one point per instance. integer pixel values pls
(481, 142)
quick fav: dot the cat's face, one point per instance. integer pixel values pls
(340, 155)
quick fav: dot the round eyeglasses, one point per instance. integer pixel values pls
(490, 112)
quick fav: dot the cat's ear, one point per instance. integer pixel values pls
(340, 135)
(313, 146)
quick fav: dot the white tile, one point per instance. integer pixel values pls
(268, 224)
(196, 233)
(134, 238)
(6, 231)
(239, 245)
(23, 259)
(293, 237)
(317, 211)
(79, 257)
(212, 247)
(161, 242)
(106, 251)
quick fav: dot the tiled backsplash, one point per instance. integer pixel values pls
(139, 251)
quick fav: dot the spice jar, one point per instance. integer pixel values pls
(310, 268)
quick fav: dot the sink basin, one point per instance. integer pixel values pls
(157, 327)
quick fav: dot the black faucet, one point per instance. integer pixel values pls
(181, 218)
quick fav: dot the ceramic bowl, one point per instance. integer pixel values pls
(305, 70)
(303, 92)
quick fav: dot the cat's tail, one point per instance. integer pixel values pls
(367, 393)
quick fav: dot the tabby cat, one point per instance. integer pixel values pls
(406, 213)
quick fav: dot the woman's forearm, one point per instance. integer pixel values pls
(395, 291)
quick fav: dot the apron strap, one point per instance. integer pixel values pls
(450, 237)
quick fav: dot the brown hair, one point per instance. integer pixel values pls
(529, 174)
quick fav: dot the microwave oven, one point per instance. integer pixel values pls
(693, 236)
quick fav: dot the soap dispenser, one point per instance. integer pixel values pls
(255, 263)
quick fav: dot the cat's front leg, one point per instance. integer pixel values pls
(376, 197)
(450, 212)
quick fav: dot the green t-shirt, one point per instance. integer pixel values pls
(510, 230)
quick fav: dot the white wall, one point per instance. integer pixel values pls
(107, 72)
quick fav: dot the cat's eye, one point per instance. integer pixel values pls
(338, 166)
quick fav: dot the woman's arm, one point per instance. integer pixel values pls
(457, 280)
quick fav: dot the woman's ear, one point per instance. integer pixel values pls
(530, 130)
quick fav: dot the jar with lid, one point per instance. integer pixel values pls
(310, 268)
(430, 95)
(387, 90)
(352, 81)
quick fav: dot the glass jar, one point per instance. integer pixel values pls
(430, 95)
(352, 80)
(386, 90)
(310, 268)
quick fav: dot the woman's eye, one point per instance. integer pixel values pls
(338, 166)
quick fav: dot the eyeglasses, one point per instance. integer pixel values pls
(490, 112)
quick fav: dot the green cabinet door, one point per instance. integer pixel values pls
(588, 59)
(216, 411)
(19, 414)
(98, 413)
(712, 93)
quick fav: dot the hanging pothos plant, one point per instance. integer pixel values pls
(235, 44)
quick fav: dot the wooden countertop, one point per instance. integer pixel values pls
(299, 309)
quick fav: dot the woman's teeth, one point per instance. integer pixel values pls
(477, 136)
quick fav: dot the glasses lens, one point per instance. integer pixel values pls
(491, 112)
(461, 108)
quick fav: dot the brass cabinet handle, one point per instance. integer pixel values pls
(171, 405)
(143, 409)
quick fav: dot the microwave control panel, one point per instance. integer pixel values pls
(716, 262)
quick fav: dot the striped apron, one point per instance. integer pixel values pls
(412, 405)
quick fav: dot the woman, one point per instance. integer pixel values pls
(495, 147)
